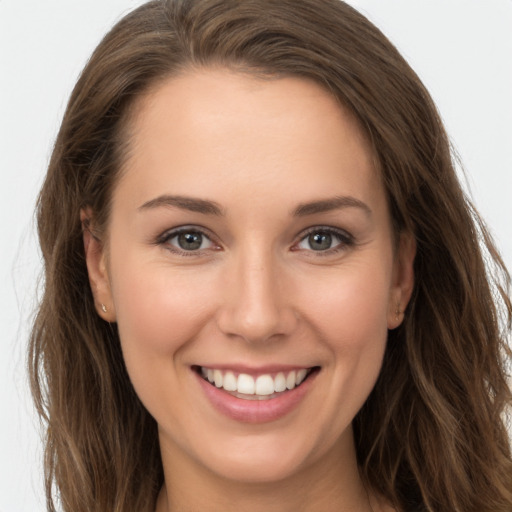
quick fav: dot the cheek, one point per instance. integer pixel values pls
(350, 308)
(349, 314)
(159, 311)
(158, 308)
(355, 328)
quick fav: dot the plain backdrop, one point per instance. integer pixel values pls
(462, 50)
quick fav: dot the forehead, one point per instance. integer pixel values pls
(206, 128)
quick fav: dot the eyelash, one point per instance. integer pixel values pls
(346, 240)
(164, 239)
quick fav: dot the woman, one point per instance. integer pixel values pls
(264, 288)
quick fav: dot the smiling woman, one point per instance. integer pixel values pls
(265, 290)
(242, 278)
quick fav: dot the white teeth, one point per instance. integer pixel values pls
(217, 377)
(245, 384)
(301, 375)
(230, 382)
(290, 380)
(280, 383)
(263, 385)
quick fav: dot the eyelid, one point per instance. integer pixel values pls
(347, 240)
(169, 234)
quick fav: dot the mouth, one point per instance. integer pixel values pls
(262, 386)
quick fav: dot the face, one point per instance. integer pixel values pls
(252, 271)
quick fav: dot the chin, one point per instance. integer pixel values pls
(255, 470)
(259, 459)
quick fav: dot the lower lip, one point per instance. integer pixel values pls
(255, 411)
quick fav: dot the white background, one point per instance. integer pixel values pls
(462, 49)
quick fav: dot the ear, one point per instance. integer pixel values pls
(403, 280)
(97, 269)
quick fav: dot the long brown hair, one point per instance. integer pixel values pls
(432, 434)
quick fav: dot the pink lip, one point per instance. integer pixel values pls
(255, 411)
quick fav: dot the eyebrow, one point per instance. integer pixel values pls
(333, 203)
(191, 204)
(207, 207)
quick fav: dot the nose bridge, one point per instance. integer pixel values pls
(255, 306)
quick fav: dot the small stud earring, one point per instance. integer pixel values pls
(103, 308)
(398, 312)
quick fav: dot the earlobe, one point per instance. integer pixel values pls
(95, 258)
(403, 280)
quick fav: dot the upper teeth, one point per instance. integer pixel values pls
(265, 384)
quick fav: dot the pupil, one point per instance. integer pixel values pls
(190, 241)
(320, 241)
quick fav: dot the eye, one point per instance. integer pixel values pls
(324, 240)
(186, 240)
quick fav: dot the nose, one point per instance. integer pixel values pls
(257, 305)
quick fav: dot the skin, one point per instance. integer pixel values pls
(256, 293)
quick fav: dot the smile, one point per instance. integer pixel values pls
(258, 396)
(259, 387)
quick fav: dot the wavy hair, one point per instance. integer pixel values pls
(432, 435)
